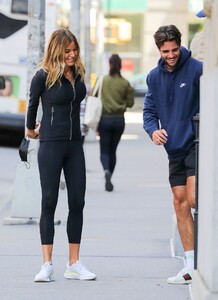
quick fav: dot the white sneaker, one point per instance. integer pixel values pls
(183, 277)
(79, 271)
(46, 273)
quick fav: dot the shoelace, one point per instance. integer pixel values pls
(46, 264)
(82, 266)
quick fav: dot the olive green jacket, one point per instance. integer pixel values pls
(116, 96)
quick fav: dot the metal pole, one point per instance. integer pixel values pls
(197, 120)
(75, 18)
(87, 5)
(36, 37)
(36, 40)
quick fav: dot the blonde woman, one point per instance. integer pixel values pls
(60, 85)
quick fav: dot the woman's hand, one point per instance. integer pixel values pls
(33, 133)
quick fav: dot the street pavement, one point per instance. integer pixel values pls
(126, 233)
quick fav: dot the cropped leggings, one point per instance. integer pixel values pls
(53, 156)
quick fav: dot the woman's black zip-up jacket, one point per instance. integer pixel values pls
(60, 106)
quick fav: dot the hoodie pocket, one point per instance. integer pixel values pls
(181, 136)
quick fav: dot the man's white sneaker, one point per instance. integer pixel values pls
(183, 277)
(46, 273)
(78, 271)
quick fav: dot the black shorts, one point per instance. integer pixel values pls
(180, 169)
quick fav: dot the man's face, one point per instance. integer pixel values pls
(170, 53)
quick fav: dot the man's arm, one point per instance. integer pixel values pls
(151, 120)
(150, 116)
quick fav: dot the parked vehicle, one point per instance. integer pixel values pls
(13, 56)
(2, 82)
(138, 82)
(13, 44)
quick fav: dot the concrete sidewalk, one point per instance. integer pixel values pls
(126, 234)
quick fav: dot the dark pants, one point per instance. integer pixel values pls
(110, 131)
(53, 156)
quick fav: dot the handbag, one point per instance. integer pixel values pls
(93, 109)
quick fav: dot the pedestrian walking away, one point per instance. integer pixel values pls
(117, 95)
(59, 83)
(171, 102)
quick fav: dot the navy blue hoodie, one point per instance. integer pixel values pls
(171, 102)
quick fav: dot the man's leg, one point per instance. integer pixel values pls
(184, 217)
(183, 200)
(191, 191)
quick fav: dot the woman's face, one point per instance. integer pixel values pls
(71, 54)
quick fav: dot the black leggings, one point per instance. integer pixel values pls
(53, 156)
(110, 131)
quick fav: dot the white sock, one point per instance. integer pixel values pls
(189, 255)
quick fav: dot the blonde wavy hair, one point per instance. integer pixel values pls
(53, 61)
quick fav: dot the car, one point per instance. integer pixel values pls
(2, 82)
(138, 82)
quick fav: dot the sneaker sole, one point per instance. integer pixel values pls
(43, 280)
(180, 283)
(49, 279)
(77, 277)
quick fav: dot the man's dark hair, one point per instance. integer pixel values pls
(115, 65)
(167, 34)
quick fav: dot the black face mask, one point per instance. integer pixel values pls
(23, 149)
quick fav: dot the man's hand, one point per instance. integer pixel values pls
(159, 137)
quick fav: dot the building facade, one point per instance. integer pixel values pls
(129, 27)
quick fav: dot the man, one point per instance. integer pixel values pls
(171, 102)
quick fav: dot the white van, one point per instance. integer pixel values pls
(13, 54)
(13, 60)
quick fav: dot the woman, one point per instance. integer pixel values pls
(60, 85)
(116, 96)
